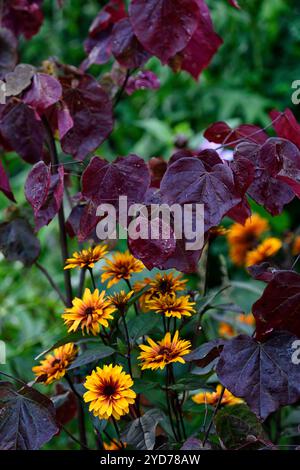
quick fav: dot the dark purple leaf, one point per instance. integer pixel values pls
(91, 111)
(18, 243)
(65, 404)
(202, 46)
(264, 375)
(221, 133)
(164, 27)
(24, 133)
(64, 120)
(188, 181)
(73, 221)
(154, 252)
(27, 418)
(279, 306)
(104, 182)
(100, 41)
(44, 192)
(5, 185)
(126, 48)
(206, 353)
(44, 91)
(157, 167)
(262, 272)
(8, 52)
(23, 17)
(37, 185)
(286, 125)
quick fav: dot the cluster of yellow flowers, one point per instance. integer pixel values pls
(246, 246)
(109, 389)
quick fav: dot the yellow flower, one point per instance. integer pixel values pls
(164, 352)
(264, 251)
(296, 246)
(122, 266)
(166, 283)
(55, 365)
(120, 300)
(172, 306)
(212, 398)
(86, 258)
(242, 238)
(109, 392)
(89, 312)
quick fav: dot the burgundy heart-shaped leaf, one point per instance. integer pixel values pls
(187, 181)
(126, 48)
(44, 91)
(104, 182)
(202, 46)
(264, 375)
(44, 192)
(286, 125)
(164, 27)
(279, 306)
(91, 111)
(22, 130)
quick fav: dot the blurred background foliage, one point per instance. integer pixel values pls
(251, 74)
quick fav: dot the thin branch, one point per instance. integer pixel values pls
(80, 410)
(51, 282)
(213, 416)
(122, 89)
(61, 215)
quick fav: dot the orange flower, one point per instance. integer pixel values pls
(89, 312)
(226, 331)
(113, 445)
(296, 246)
(242, 238)
(109, 392)
(212, 398)
(164, 352)
(172, 306)
(120, 300)
(264, 251)
(166, 283)
(55, 365)
(86, 258)
(122, 266)
(246, 319)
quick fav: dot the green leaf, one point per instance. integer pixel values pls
(141, 385)
(92, 356)
(237, 426)
(71, 338)
(142, 325)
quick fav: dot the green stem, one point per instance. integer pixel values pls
(92, 278)
(213, 416)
